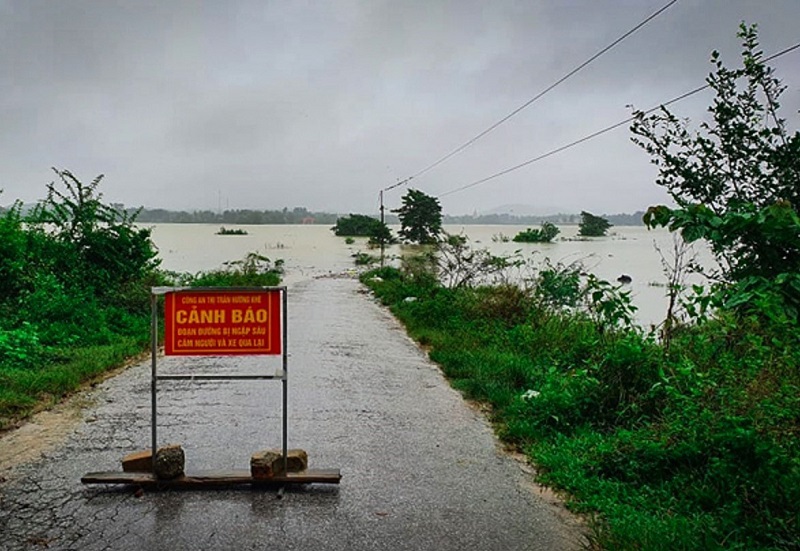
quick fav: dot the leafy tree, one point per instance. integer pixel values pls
(106, 248)
(592, 226)
(545, 234)
(736, 181)
(420, 217)
(356, 225)
(77, 270)
(361, 225)
(381, 235)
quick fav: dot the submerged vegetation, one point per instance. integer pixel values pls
(231, 231)
(592, 225)
(356, 225)
(75, 275)
(686, 436)
(361, 225)
(545, 234)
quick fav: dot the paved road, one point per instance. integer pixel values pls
(421, 469)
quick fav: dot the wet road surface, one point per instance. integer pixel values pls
(420, 468)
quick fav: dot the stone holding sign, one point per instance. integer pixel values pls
(269, 463)
(170, 462)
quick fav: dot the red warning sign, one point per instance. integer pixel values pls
(222, 323)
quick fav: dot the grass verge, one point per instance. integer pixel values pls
(24, 391)
(691, 447)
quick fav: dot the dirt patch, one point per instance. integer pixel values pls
(28, 439)
(41, 433)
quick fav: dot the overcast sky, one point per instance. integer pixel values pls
(265, 105)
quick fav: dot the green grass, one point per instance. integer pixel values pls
(23, 391)
(42, 363)
(695, 447)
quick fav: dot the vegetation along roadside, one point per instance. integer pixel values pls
(75, 275)
(684, 437)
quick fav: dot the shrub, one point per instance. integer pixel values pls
(254, 270)
(545, 234)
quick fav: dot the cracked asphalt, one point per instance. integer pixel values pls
(421, 468)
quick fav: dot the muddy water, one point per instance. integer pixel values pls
(313, 250)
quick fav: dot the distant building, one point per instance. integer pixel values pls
(308, 220)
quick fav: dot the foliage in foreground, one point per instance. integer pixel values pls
(689, 442)
(75, 276)
(736, 184)
(695, 447)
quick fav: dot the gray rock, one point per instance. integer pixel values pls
(170, 462)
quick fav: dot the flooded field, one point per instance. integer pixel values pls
(312, 250)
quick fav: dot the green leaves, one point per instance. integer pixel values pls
(75, 268)
(420, 217)
(545, 234)
(592, 226)
(736, 181)
(656, 216)
(254, 270)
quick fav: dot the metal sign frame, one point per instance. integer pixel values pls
(283, 375)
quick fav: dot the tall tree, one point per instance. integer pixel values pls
(592, 226)
(736, 181)
(420, 217)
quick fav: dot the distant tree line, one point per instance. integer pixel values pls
(297, 215)
(301, 215)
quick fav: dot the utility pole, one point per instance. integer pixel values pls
(382, 224)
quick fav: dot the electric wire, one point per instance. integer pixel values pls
(577, 69)
(598, 132)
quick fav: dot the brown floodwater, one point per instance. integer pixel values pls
(312, 250)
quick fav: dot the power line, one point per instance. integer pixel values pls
(468, 143)
(571, 144)
(598, 133)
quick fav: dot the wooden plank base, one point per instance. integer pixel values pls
(211, 479)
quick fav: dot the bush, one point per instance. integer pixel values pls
(74, 273)
(545, 234)
(254, 270)
(21, 348)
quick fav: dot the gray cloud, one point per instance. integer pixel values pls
(272, 104)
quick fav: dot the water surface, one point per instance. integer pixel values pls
(312, 250)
